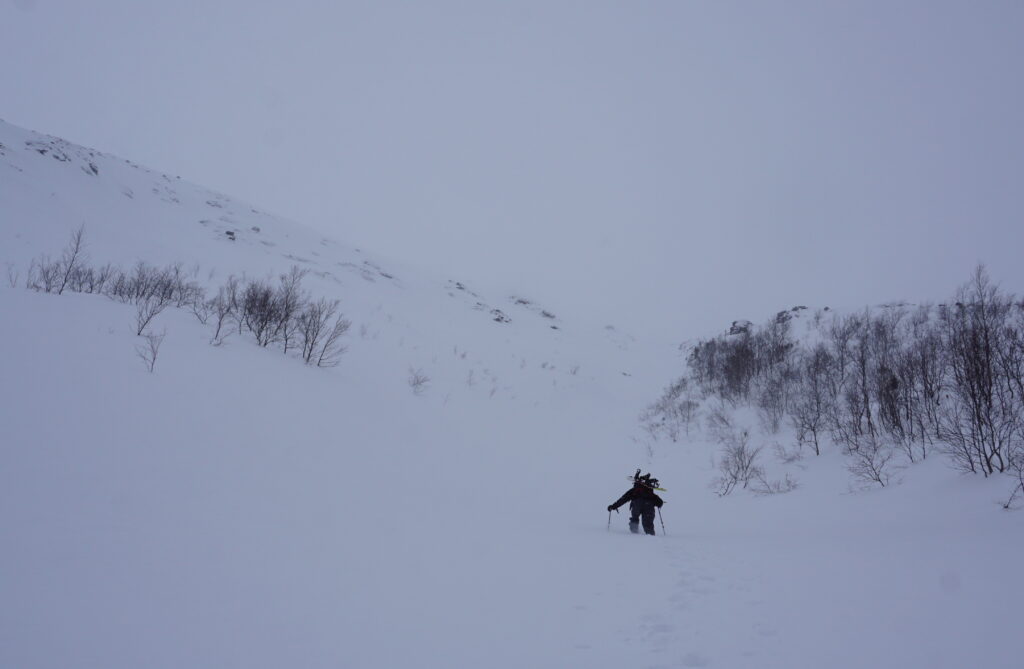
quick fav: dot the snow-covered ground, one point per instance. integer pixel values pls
(236, 508)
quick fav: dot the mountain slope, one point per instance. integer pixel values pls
(237, 508)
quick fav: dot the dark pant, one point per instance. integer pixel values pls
(644, 512)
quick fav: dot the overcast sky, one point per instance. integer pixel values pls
(669, 165)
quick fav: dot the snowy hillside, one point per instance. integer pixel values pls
(236, 508)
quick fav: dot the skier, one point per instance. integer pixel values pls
(642, 502)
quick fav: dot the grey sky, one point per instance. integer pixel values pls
(666, 164)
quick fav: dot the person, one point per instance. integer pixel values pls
(642, 502)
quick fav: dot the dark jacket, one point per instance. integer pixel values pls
(639, 494)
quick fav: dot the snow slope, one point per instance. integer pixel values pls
(238, 509)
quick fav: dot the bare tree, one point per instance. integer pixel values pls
(773, 400)
(12, 275)
(725, 366)
(1017, 470)
(71, 257)
(885, 386)
(331, 349)
(980, 421)
(1011, 362)
(841, 333)
(859, 393)
(236, 298)
(931, 374)
(150, 349)
(916, 386)
(320, 336)
(184, 293)
(810, 408)
(222, 308)
(290, 300)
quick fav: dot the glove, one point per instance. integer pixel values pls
(609, 508)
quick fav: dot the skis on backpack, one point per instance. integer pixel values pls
(646, 480)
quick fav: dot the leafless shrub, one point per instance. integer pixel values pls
(905, 444)
(222, 309)
(676, 410)
(418, 381)
(144, 283)
(201, 309)
(764, 486)
(148, 308)
(870, 460)
(44, 274)
(320, 336)
(261, 311)
(81, 280)
(719, 422)
(271, 314)
(118, 287)
(88, 280)
(150, 349)
(283, 314)
(185, 293)
(738, 464)
(786, 456)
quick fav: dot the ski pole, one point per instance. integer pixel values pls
(659, 518)
(609, 521)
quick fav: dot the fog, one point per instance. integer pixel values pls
(666, 167)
